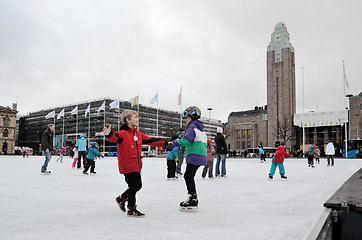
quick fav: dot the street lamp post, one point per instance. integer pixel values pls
(209, 109)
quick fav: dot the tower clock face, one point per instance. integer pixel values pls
(277, 37)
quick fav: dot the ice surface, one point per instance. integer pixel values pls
(243, 205)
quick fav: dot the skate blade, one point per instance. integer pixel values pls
(188, 209)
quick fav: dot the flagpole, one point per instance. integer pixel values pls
(54, 131)
(89, 126)
(157, 124)
(181, 108)
(119, 114)
(104, 124)
(63, 129)
(76, 126)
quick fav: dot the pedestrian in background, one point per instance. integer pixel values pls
(47, 146)
(221, 151)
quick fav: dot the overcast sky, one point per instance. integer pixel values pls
(56, 53)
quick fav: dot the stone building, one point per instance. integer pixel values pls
(355, 106)
(7, 130)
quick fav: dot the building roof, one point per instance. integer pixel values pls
(2, 108)
(256, 111)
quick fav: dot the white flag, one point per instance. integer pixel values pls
(154, 99)
(61, 114)
(134, 101)
(87, 111)
(114, 104)
(102, 107)
(50, 115)
(74, 111)
(180, 97)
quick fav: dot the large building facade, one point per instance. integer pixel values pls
(91, 125)
(7, 130)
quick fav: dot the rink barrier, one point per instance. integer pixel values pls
(342, 216)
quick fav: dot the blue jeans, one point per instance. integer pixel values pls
(179, 164)
(47, 160)
(222, 158)
(274, 167)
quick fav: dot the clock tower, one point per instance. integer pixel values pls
(281, 94)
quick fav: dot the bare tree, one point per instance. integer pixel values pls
(284, 130)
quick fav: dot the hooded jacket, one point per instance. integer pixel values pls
(93, 152)
(195, 141)
(81, 144)
(129, 146)
(280, 154)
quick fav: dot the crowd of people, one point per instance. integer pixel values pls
(190, 143)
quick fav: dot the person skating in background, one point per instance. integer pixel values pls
(318, 152)
(81, 144)
(172, 158)
(47, 146)
(221, 151)
(92, 152)
(310, 154)
(129, 146)
(181, 152)
(61, 154)
(330, 151)
(75, 154)
(262, 154)
(195, 141)
(278, 160)
(210, 159)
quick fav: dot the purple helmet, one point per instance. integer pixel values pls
(193, 111)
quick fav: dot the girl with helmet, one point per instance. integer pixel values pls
(195, 142)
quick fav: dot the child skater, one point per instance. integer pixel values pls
(195, 141)
(210, 159)
(318, 152)
(75, 152)
(129, 146)
(310, 154)
(171, 161)
(92, 152)
(278, 160)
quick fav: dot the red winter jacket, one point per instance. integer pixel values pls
(280, 154)
(129, 146)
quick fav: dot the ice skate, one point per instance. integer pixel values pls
(179, 173)
(190, 204)
(121, 203)
(283, 177)
(93, 173)
(45, 172)
(85, 173)
(172, 178)
(270, 177)
(133, 212)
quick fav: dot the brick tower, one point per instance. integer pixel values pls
(281, 94)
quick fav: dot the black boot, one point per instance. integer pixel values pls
(121, 202)
(190, 204)
(133, 212)
(284, 177)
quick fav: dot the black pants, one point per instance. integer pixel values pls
(171, 168)
(80, 155)
(189, 177)
(310, 160)
(90, 164)
(134, 182)
(330, 158)
(262, 157)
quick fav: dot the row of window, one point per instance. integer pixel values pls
(242, 133)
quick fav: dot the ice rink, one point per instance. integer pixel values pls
(243, 205)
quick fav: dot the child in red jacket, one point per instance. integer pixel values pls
(129, 146)
(278, 160)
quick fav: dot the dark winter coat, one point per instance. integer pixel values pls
(47, 140)
(129, 146)
(221, 147)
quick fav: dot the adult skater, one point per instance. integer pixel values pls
(195, 141)
(47, 146)
(221, 151)
(81, 144)
(129, 146)
(278, 160)
(330, 151)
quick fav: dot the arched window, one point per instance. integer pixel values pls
(6, 133)
(6, 120)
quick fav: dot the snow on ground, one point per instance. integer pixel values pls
(243, 205)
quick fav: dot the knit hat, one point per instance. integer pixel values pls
(174, 137)
(209, 141)
(282, 143)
